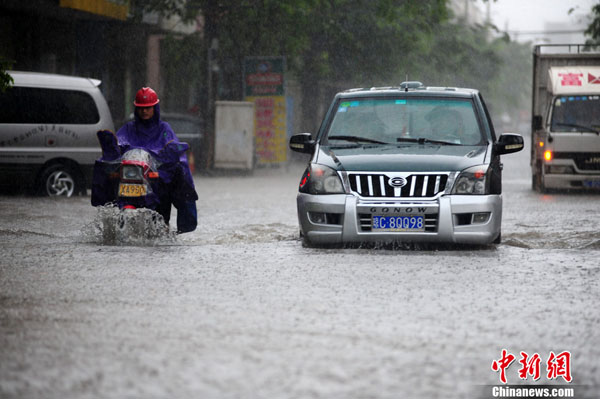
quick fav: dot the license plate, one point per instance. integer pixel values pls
(132, 190)
(591, 183)
(398, 223)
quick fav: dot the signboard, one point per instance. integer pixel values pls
(574, 80)
(264, 85)
(117, 9)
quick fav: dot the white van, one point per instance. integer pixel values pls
(48, 126)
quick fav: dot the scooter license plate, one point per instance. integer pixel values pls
(132, 190)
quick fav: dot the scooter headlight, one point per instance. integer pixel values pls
(132, 172)
(319, 179)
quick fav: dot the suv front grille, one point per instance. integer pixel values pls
(374, 185)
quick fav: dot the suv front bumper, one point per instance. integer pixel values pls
(345, 218)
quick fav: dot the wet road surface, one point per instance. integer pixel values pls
(239, 309)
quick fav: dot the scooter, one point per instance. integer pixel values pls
(133, 178)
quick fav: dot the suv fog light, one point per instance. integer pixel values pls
(481, 217)
(325, 218)
(317, 217)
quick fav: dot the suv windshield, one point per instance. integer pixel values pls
(576, 114)
(386, 120)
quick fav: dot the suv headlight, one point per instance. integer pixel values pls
(473, 180)
(319, 179)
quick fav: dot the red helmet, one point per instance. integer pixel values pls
(145, 97)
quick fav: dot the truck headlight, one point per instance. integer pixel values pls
(473, 180)
(320, 179)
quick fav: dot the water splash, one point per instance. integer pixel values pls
(139, 227)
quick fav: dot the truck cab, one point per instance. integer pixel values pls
(566, 121)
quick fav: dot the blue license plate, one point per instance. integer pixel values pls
(398, 223)
(591, 183)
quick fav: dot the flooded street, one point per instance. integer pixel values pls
(239, 309)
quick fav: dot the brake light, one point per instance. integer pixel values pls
(152, 175)
(548, 155)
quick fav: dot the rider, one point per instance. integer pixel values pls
(150, 133)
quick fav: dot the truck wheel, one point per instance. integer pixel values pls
(58, 180)
(537, 180)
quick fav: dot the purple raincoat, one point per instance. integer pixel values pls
(152, 135)
(158, 138)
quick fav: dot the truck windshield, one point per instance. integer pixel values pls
(386, 120)
(576, 114)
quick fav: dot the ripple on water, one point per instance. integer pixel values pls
(256, 233)
(543, 239)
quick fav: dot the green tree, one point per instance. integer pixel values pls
(593, 29)
(329, 44)
(183, 66)
(361, 43)
(336, 44)
(470, 56)
(5, 79)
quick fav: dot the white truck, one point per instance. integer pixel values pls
(565, 139)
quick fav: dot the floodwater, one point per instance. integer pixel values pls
(239, 309)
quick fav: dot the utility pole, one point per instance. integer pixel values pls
(211, 37)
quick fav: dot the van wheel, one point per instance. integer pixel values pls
(58, 180)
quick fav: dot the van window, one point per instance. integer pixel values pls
(49, 106)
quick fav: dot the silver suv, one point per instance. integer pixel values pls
(403, 164)
(48, 126)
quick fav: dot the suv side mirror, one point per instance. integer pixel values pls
(302, 142)
(508, 143)
(536, 123)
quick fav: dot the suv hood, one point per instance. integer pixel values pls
(402, 158)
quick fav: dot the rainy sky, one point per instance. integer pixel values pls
(538, 15)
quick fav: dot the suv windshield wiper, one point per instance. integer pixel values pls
(422, 140)
(356, 139)
(586, 128)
